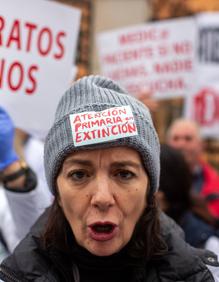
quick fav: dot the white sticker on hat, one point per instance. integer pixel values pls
(97, 127)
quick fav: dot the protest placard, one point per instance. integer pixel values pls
(202, 104)
(157, 56)
(37, 53)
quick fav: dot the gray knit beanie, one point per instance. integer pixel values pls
(97, 113)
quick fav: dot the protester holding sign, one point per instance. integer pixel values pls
(104, 224)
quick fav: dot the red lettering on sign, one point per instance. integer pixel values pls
(206, 110)
(30, 27)
(182, 47)
(60, 44)
(86, 136)
(13, 75)
(2, 24)
(32, 79)
(138, 71)
(19, 75)
(23, 36)
(163, 50)
(45, 36)
(128, 55)
(105, 132)
(160, 85)
(84, 125)
(143, 35)
(132, 127)
(2, 68)
(78, 137)
(173, 66)
(14, 35)
(115, 130)
(77, 119)
(77, 126)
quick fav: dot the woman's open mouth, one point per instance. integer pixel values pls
(102, 231)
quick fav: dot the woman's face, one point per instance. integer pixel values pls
(103, 194)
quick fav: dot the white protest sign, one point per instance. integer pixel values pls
(157, 56)
(203, 107)
(38, 42)
(203, 103)
(97, 127)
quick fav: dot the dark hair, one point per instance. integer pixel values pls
(146, 240)
(175, 182)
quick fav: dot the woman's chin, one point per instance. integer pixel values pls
(103, 250)
(102, 253)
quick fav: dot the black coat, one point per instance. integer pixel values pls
(182, 263)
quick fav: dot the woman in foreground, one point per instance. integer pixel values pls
(102, 165)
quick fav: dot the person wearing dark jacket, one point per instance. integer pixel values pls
(185, 136)
(175, 198)
(102, 165)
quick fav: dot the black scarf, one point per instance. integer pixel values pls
(117, 267)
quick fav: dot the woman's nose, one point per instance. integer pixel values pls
(102, 197)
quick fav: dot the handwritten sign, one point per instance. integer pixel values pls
(37, 53)
(97, 127)
(157, 56)
(202, 104)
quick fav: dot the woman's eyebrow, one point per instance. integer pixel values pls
(76, 161)
(122, 164)
(116, 164)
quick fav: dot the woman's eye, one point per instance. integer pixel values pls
(78, 175)
(125, 174)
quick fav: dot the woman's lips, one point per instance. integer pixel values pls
(102, 231)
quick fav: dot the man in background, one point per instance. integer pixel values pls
(185, 136)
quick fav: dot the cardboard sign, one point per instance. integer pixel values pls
(37, 52)
(203, 107)
(157, 56)
(202, 104)
(98, 127)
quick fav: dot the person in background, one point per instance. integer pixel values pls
(14, 223)
(8, 234)
(102, 163)
(30, 151)
(174, 197)
(9, 237)
(184, 135)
